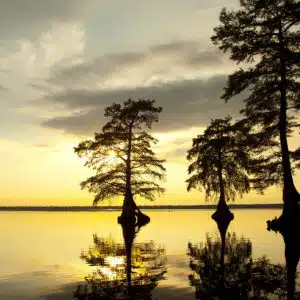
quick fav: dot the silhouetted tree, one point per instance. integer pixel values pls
(122, 157)
(264, 34)
(219, 162)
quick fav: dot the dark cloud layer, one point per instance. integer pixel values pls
(185, 103)
(162, 59)
(159, 72)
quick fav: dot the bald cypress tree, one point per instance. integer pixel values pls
(219, 163)
(264, 35)
(121, 155)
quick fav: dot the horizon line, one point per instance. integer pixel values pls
(145, 207)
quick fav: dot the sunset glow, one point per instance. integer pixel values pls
(60, 67)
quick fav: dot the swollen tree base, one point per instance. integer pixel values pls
(138, 218)
(222, 216)
(131, 214)
(290, 216)
(222, 213)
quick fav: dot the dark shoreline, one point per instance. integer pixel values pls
(148, 207)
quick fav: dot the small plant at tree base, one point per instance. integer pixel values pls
(121, 155)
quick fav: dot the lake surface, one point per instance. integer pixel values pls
(40, 251)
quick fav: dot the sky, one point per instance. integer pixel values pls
(63, 62)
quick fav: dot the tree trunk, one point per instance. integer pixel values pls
(222, 214)
(129, 205)
(222, 201)
(130, 211)
(290, 194)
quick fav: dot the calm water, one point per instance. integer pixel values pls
(40, 251)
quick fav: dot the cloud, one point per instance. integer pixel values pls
(33, 58)
(53, 64)
(186, 103)
(2, 88)
(162, 62)
(26, 61)
(28, 18)
(173, 146)
(184, 79)
(29, 62)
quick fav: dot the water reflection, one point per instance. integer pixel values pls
(223, 268)
(291, 236)
(126, 270)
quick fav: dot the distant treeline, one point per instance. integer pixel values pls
(149, 207)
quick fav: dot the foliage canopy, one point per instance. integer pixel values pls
(219, 161)
(121, 154)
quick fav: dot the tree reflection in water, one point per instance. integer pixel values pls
(223, 268)
(290, 232)
(122, 270)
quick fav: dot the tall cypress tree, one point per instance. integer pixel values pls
(122, 157)
(264, 35)
(219, 163)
